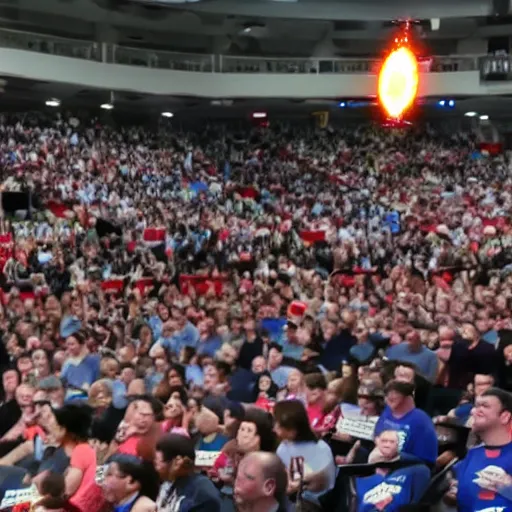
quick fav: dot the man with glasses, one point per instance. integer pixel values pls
(484, 477)
(130, 484)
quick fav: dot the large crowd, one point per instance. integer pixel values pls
(257, 319)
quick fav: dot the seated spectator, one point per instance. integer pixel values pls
(182, 488)
(413, 351)
(391, 489)
(298, 442)
(416, 431)
(207, 424)
(484, 477)
(130, 482)
(81, 368)
(316, 387)
(270, 473)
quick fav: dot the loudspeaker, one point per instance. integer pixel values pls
(500, 7)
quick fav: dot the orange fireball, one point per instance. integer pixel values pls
(398, 82)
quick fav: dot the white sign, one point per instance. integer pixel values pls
(360, 427)
(206, 459)
(18, 496)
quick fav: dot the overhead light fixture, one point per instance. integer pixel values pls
(167, 114)
(259, 115)
(247, 30)
(107, 106)
(484, 117)
(470, 114)
(53, 102)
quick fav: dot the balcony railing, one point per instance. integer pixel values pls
(52, 45)
(193, 62)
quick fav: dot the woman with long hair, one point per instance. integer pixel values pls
(310, 463)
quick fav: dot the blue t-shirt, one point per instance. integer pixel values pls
(274, 326)
(388, 493)
(475, 492)
(215, 445)
(80, 374)
(425, 360)
(209, 346)
(416, 433)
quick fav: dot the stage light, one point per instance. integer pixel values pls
(343, 104)
(451, 103)
(259, 115)
(441, 103)
(107, 106)
(470, 114)
(167, 114)
(398, 82)
(53, 102)
(484, 117)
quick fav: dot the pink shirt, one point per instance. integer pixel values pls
(130, 445)
(83, 457)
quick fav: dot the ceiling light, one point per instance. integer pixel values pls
(484, 117)
(247, 29)
(53, 102)
(259, 115)
(167, 114)
(107, 106)
(470, 114)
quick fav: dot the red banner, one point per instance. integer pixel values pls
(493, 148)
(201, 284)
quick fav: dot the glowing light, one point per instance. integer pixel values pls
(259, 115)
(470, 114)
(398, 82)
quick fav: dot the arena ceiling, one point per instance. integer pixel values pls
(258, 27)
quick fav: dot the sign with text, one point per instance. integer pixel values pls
(205, 459)
(19, 496)
(360, 427)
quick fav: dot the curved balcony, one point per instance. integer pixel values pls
(50, 58)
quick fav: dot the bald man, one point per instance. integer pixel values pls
(261, 483)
